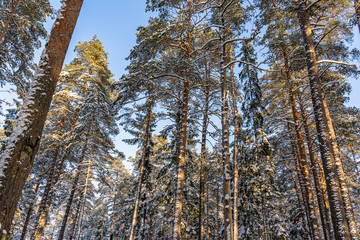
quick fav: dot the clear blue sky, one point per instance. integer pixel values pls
(115, 23)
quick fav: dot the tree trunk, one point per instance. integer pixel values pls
(18, 156)
(142, 167)
(309, 199)
(72, 193)
(83, 198)
(181, 163)
(236, 150)
(202, 164)
(29, 212)
(74, 219)
(340, 204)
(321, 201)
(5, 24)
(304, 170)
(113, 210)
(228, 221)
(217, 233)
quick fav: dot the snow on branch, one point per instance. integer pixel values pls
(312, 4)
(236, 39)
(336, 62)
(247, 63)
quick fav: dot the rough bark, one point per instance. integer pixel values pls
(320, 198)
(18, 157)
(181, 162)
(340, 204)
(228, 218)
(142, 168)
(304, 170)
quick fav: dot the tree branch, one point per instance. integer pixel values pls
(247, 63)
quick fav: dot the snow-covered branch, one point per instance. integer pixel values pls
(247, 63)
(336, 62)
(312, 4)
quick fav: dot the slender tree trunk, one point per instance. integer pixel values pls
(357, 12)
(321, 201)
(343, 219)
(181, 163)
(74, 219)
(217, 233)
(113, 210)
(5, 24)
(236, 150)
(72, 193)
(228, 219)
(207, 212)
(83, 198)
(202, 164)
(25, 139)
(142, 167)
(29, 212)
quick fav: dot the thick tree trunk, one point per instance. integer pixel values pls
(181, 162)
(340, 204)
(18, 157)
(5, 24)
(142, 167)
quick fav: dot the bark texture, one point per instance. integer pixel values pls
(18, 157)
(340, 205)
(181, 163)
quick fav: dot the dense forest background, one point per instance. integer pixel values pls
(237, 114)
